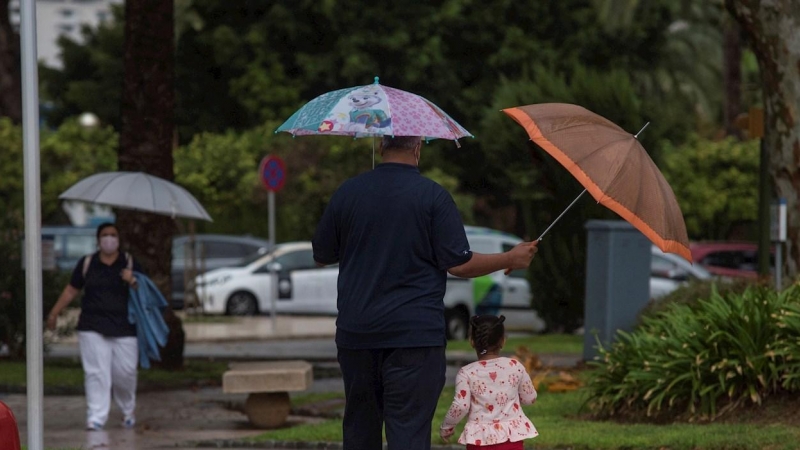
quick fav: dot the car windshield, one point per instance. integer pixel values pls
(247, 260)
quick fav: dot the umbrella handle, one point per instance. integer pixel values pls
(562, 213)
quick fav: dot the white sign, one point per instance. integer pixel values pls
(777, 229)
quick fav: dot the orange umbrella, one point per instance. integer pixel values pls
(612, 165)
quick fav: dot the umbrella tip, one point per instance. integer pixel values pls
(376, 80)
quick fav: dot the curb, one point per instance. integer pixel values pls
(301, 445)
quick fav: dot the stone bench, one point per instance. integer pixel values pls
(268, 385)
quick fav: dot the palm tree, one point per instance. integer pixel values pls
(771, 32)
(146, 141)
(690, 66)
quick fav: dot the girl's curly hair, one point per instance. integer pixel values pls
(487, 332)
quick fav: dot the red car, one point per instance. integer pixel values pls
(728, 259)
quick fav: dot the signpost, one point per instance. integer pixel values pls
(272, 172)
(778, 236)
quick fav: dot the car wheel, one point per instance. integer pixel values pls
(241, 304)
(457, 321)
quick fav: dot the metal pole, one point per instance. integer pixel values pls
(33, 224)
(273, 274)
(764, 196)
(562, 213)
(778, 265)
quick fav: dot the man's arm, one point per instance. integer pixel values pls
(481, 264)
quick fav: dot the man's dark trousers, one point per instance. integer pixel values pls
(398, 386)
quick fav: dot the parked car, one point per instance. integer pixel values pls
(499, 294)
(211, 251)
(729, 259)
(304, 288)
(70, 244)
(244, 289)
(669, 272)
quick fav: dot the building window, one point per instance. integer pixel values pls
(102, 16)
(66, 12)
(64, 28)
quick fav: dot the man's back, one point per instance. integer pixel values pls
(394, 234)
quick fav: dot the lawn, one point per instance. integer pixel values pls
(67, 375)
(537, 343)
(556, 416)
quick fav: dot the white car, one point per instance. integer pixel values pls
(245, 289)
(304, 288)
(669, 272)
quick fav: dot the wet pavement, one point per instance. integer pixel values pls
(181, 418)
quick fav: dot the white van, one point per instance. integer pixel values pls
(495, 293)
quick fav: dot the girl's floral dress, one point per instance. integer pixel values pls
(492, 392)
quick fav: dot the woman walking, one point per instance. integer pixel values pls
(107, 340)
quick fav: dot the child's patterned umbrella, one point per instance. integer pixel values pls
(373, 110)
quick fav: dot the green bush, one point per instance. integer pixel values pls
(698, 361)
(696, 290)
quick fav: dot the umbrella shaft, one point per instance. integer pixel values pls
(562, 213)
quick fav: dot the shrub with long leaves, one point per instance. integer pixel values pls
(702, 360)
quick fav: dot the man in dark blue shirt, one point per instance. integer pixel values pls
(395, 234)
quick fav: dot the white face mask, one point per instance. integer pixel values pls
(109, 244)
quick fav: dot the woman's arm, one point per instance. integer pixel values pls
(67, 295)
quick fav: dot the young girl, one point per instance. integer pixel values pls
(492, 390)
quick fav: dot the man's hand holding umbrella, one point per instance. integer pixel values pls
(521, 255)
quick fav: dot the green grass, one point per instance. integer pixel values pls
(538, 343)
(557, 417)
(316, 397)
(68, 374)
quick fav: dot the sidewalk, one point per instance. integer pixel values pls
(184, 417)
(252, 338)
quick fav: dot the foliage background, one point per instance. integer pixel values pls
(243, 67)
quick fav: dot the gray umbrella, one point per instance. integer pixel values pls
(137, 191)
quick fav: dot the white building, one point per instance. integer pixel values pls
(55, 18)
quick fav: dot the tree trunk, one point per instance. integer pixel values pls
(772, 28)
(732, 73)
(147, 124)
(10, 82)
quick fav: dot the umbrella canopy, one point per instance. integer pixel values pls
(137, 191)
(373, 110)
(612, 165)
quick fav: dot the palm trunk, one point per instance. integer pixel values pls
(146, 136)
(10, 82)
(772, 32)
(732, 73)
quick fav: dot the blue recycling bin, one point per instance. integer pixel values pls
(618, 259)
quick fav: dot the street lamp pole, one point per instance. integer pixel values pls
(33, 224)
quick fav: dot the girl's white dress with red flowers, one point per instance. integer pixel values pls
(492, 392)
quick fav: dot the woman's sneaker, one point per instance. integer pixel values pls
(93, 426)
(129, 422)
